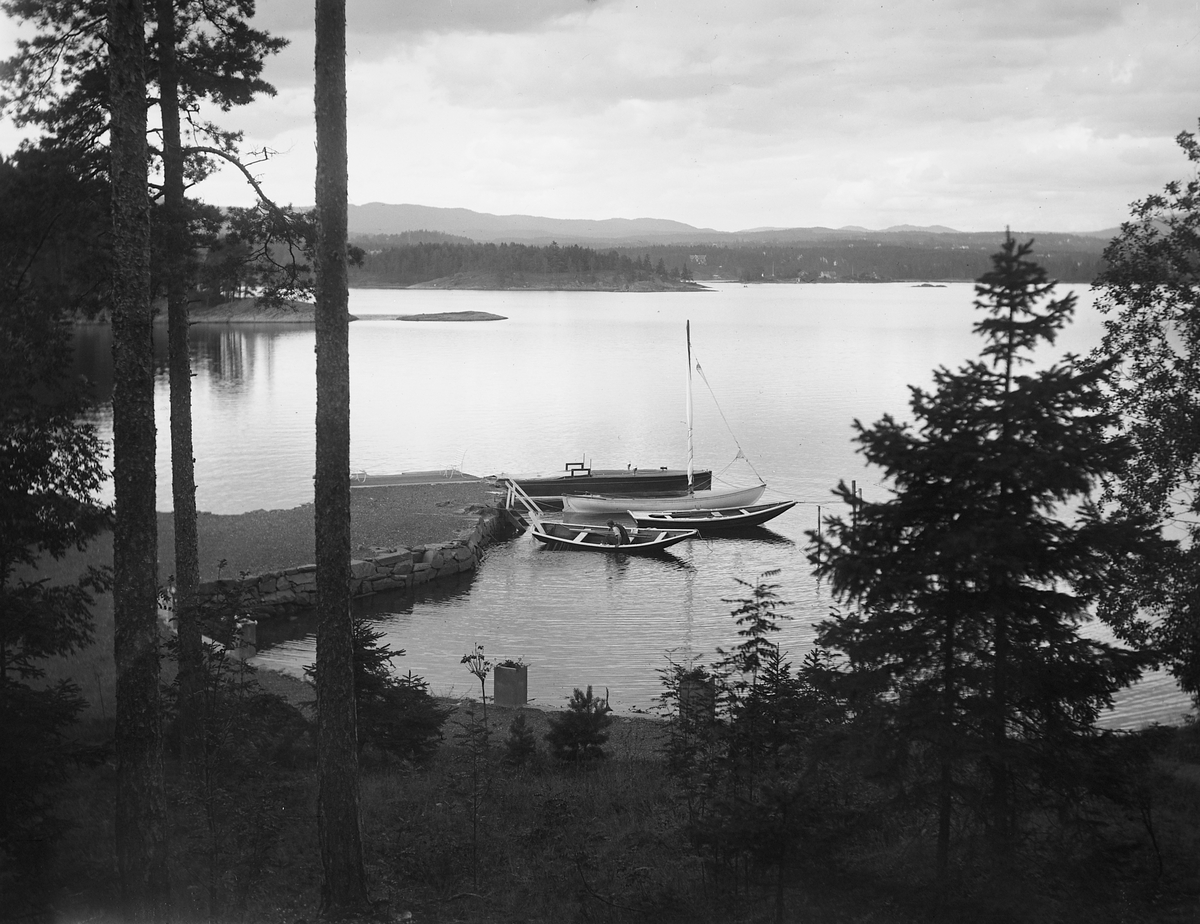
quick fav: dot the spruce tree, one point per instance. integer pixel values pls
(579, 734)
(966, 586)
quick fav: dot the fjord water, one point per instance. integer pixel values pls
(592, 376)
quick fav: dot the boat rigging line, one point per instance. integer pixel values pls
(741, 453)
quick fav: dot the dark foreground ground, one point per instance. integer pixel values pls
(469, 836)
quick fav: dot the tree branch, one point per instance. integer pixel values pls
(250, 178)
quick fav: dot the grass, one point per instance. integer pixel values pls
(607, 843)
(93, 668)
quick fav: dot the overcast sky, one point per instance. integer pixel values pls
(976, 114)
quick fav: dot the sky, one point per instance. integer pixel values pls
(1042, 115)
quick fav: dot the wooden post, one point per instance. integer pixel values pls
(820, 537)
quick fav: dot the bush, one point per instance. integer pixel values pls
(397, 715)
(579, 734)
(233, 801)
(520, 747)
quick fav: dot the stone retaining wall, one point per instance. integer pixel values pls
(385, 569)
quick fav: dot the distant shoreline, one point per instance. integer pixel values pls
(241, 311)
(246, 311)
(601, 281)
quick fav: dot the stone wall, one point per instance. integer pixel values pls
(384, 569)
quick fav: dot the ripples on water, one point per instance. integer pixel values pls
(584, 375)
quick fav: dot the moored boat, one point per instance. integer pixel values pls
(363, 479)
(695, 500)
(578, 478)
(635, 541)
(722, 519)
(695, 496)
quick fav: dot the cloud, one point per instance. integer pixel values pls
(764, 112)
(410, 18)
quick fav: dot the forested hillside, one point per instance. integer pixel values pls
(413, 264)
(392, 262)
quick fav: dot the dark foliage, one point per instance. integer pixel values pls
(396, 714)
(1152, 337)
(58, 79)
(419, 256)
(376, 242)
(754, 750)
(53, 234)
(579, 734)
(51, 466)
(970, 581)
(264, 252)
(520, 747)
(413, 263)
(232, 805)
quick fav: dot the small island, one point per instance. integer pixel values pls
(453, 316)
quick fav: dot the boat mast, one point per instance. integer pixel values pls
(689, 409)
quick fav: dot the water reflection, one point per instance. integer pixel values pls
(751, 534)
(93, 359)
(290, 640)
(221, 354)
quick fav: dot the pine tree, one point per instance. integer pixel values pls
(198, 53)
(344, 889)
(968, 584)
(140, 829)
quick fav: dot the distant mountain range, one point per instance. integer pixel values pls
(381, 218)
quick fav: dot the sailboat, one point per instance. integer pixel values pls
(693, 499)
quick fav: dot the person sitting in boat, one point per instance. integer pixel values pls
(620, 535)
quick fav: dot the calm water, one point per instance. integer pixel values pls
(595, 376)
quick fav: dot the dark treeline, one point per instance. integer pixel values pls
(374, 242)
(416, 263)
(872, 261)
(392, 260)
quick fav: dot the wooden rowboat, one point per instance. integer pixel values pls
(723, 519)
(599, 538)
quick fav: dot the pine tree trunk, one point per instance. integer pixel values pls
(183, 465)
(141, 837)
(344, 888)
(999, 770)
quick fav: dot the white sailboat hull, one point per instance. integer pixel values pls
(698, 500)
